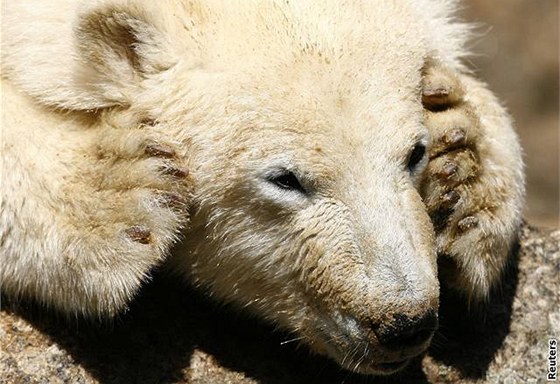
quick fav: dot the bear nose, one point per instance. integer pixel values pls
(405, 331)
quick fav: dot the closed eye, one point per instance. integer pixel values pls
(286, 180)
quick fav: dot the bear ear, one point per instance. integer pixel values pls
(116, 50)
(93, 57)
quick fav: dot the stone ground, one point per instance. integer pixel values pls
(175, 335)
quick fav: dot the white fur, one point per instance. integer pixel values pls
(239, 89)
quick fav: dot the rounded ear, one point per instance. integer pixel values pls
(85, 60)
(119, 49)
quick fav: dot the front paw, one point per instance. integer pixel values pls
(473, 185)
(128, 203)
(147, 183)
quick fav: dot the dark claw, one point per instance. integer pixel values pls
(147, 122)
(467, 223)
(449, 199)
(159, 150)
(436, 99)
(454, 138)
(139, 233)
(171, 199)
(177, 172)
(448, 170)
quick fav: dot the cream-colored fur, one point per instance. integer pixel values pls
(274, 139)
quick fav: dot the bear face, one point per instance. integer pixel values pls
(325, 248)
(337, 248)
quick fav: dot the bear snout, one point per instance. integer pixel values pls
(407, 332)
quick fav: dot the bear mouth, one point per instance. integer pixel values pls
(390, 367)
(370, 362)
(375, 359)
(382, 368)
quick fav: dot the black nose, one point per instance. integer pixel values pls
(405, 331)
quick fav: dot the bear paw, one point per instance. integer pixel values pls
(126, 204)
(474, 206)
(145, 183)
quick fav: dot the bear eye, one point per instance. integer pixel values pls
(287, 180)
(416, 156)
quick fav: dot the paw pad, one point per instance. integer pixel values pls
(139, 234)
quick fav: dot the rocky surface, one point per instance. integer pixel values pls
(176, 335)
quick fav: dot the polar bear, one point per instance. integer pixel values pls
(310, 161)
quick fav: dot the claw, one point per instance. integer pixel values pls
(448, 170)
(454, 138)
(171, 199)
(449, 199)
(147, 122)
(139, 233)
(160, 150)
(177, 172)
(436, 99)
(467, 223)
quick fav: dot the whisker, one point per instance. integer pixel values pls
(355, 350)
(292, 340)
(361, 359)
